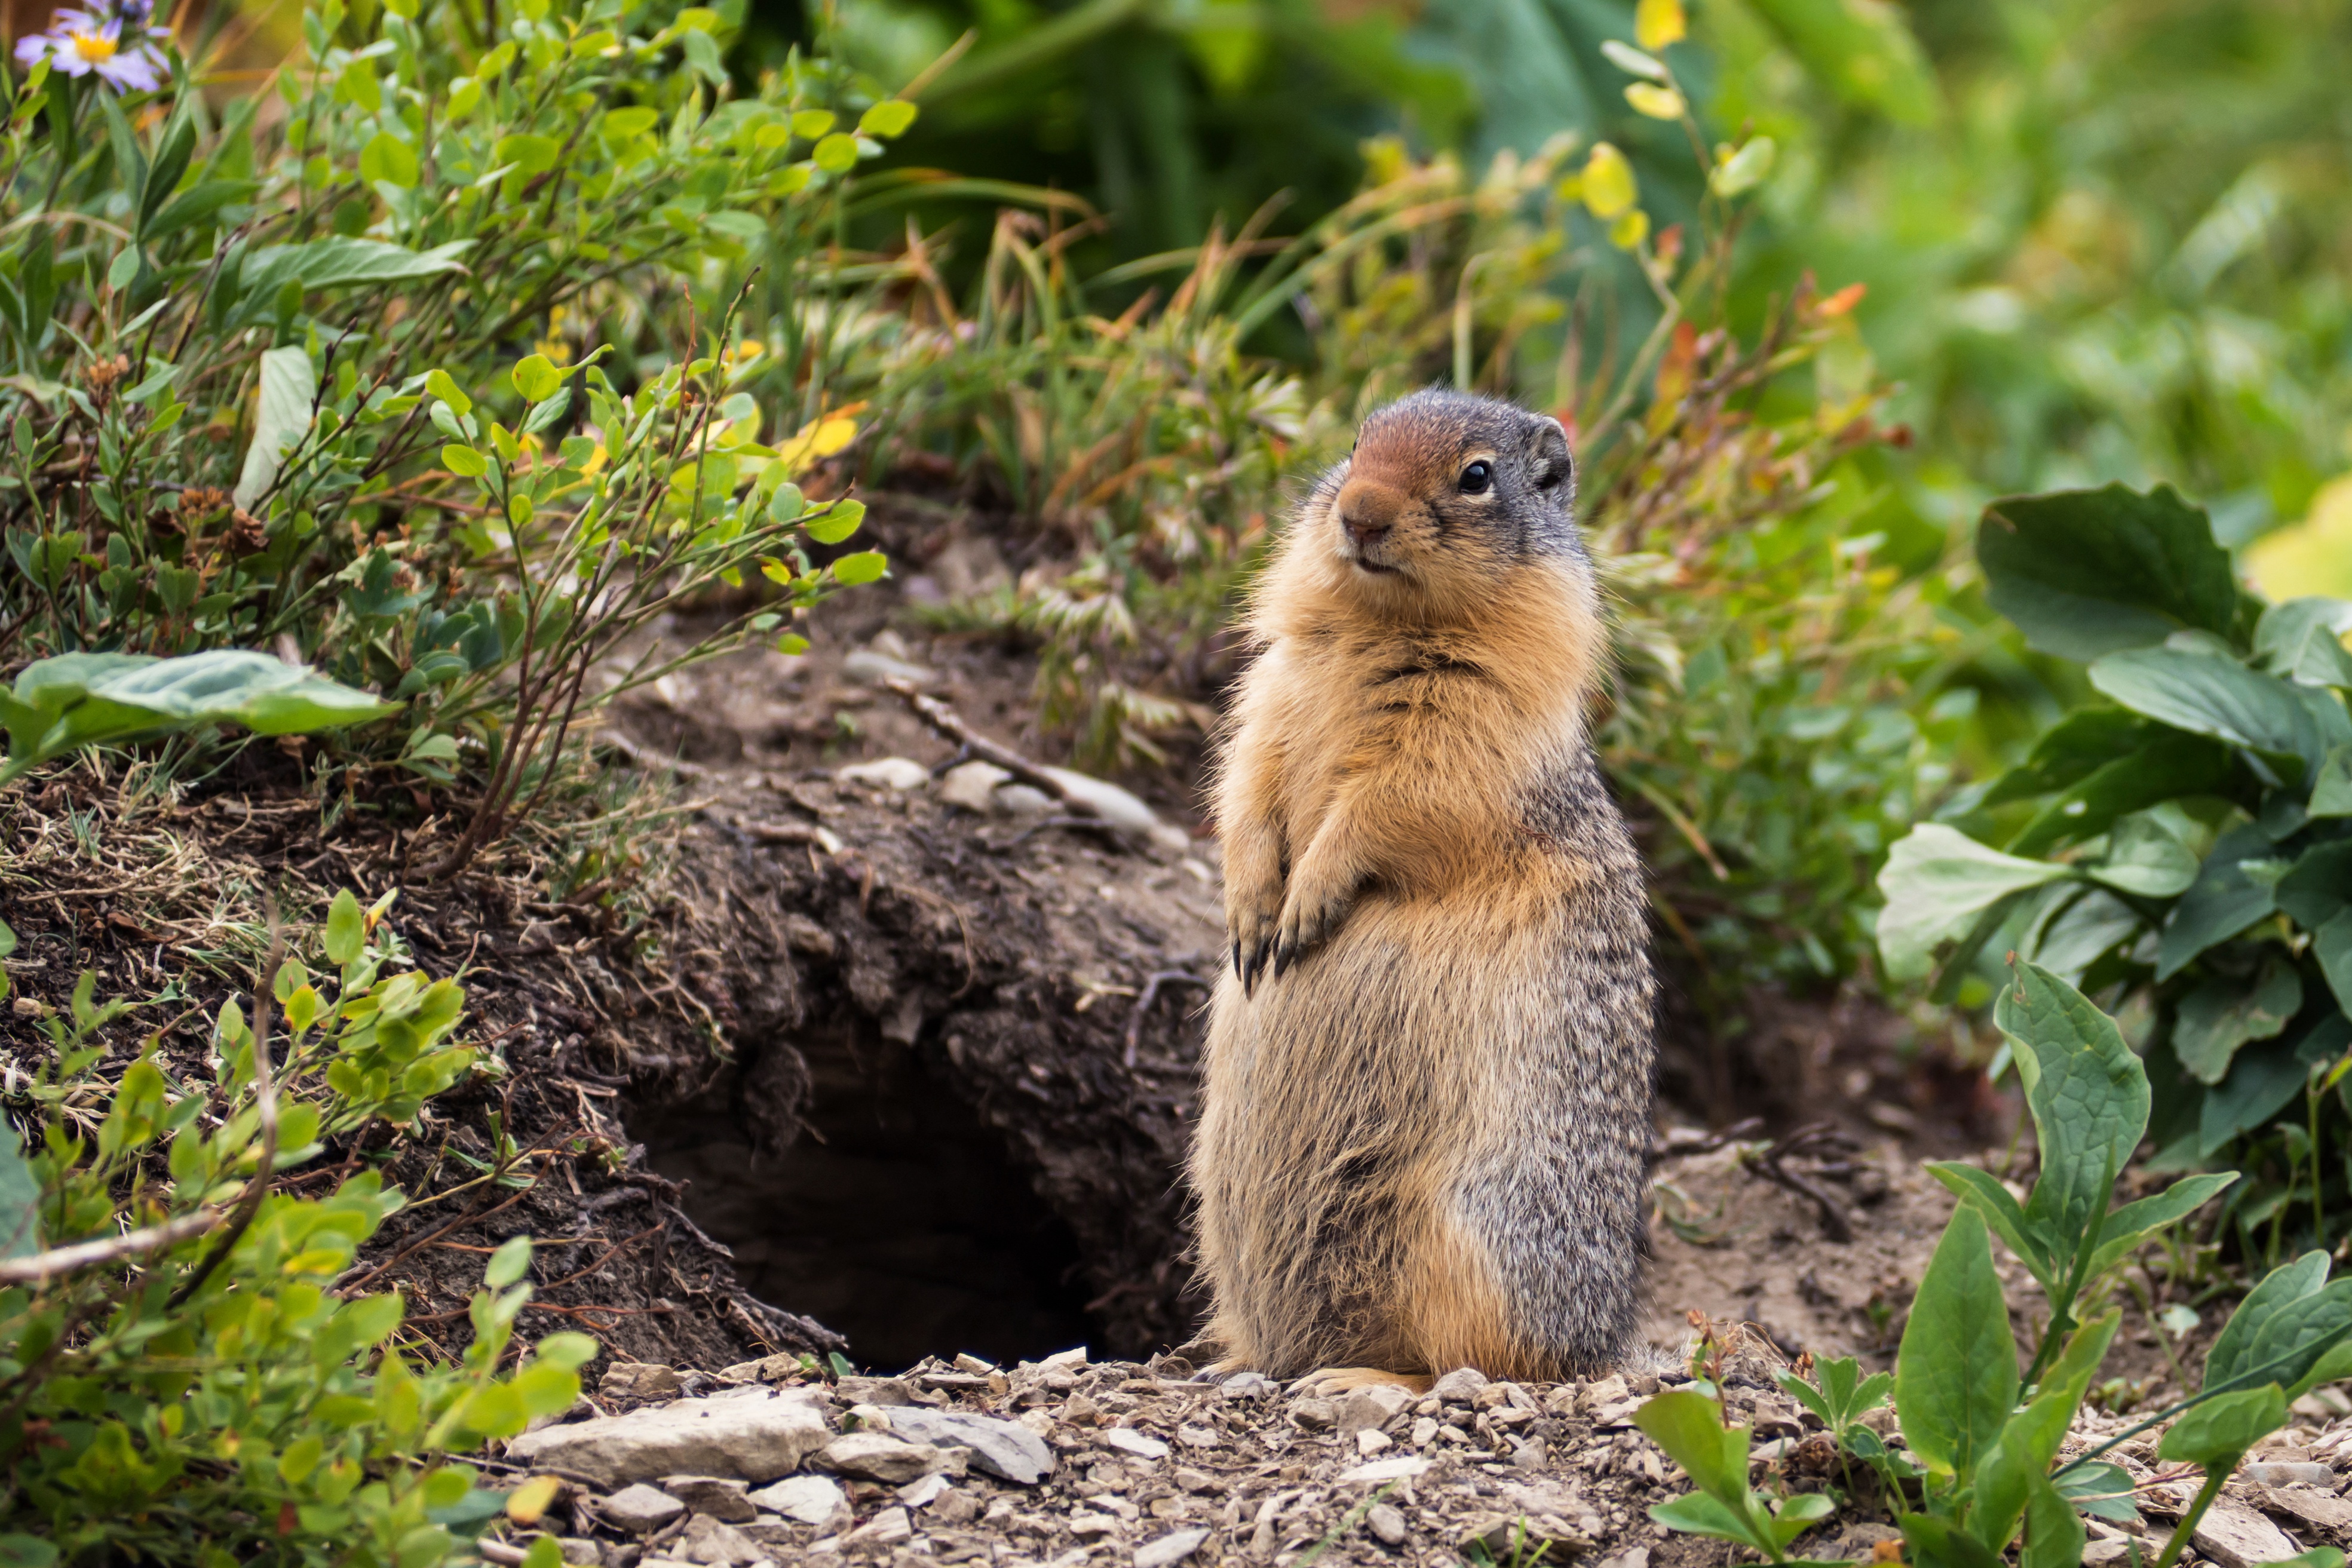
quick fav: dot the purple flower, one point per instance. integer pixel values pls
(78, 43)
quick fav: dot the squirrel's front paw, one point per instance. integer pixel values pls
(1252, 921)
(1310, 918)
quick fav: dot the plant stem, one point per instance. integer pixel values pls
(2188, 1525)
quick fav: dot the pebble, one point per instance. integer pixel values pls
(1371, 1441)
(1386, 1523)
(712, 1542)
(1373, 1407)
(721, 1498)
(641, 1510)
(640, 1380)
(1459, 1386)
(1128, 1440)
(1007, 1449)
(1169, 1549)
(924, 1492)
(900, 773)
(879, 1456)
(747, 1432)
(808, 1499)
(972, 786)
(870, 667)
(1314, 1415)
(886, 1528)
(2271, 1473)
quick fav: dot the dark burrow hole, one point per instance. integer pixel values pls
(895, 1218)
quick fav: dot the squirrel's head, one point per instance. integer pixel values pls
(1446, 496)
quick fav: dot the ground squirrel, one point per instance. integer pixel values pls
(1428, 1074)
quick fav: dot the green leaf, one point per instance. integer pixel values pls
(2134, 1222)
(2303, 641)
(2332, 946)
(2169, 765)
(344, 262)
(2145, 859)
(866, 566)
(2006, 1476)
(2087, 572)
(289, 387)
(20, 1199)
(440, 385)
(388, 159)
(464, 461)
(2225, 1012)
(2218, 1432)
(2318, 888)
(1689, 1426)
(1938, 882)
(837, 153)
(530, 154)
(1696, 1513)
(1942, 1543)
(508, 1263)
(536, 378)
(1983, 1191)
(2232, 1348)
(835, 524)
(1956, 1373)
(26, 1551)
(346, 929)
(2101, 1490)
(2089, 1097)
(569, 1351)
(891, 117)
(2055, 1536)
(2222, 902)
(2331, 793)
(2206, 695)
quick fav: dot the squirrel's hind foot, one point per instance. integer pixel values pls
(1333, 1380)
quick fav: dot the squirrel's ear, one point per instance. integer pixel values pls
(1548, 464)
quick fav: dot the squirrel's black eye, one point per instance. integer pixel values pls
(1477, 478)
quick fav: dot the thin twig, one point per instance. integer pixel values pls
(264, 1090)
(1153, 986)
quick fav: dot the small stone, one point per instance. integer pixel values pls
(1021, 801)
(638, 1380)
(2273, 1473)
(972, 786)
(1195, 1481)
(807, 1499)
(1068, 1360)
(782, 1368)
(1400, 1468)
(900, 773)
(640, 1510)
(2235, 1536)
(1246, 1386)
(1086, 1525)
(710, 1541)
(966, 1361)
(886, 1528)
(2319, 1507)
(878, 1457)
(1314, 1415)
(1459, 1386)
(1111, 803)
(1128, 1440)
(1080, 1410)
(1009, 1450)
(1374, 1406)
(1603, 1393)
(1634, 1557)
(2096, 1554)
(581, 1551)
(1371, 1441)
(1198, 1436)
(883, 1391)
(1169, 1549)
(1424, 1432)
(747, 1432)
(1529, 1455)
(1386, 1523)
(954, 1508)
(717, 1496)
(924, 1492)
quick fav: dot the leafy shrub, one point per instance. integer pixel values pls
(1984, 1437)
(183, 1382)
(2183, 840)
(246, 353)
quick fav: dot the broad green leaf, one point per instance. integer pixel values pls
(2089, 1097)
(344, 262)
(864, 567)
(464, 461)
(2314, 1557)
(26, 1551)
(389, 159)
(2010, 1469)
(2331, 794)
(2079, 930)
(2303, 641)
(536, 378)
(2319, 886)
(2231, 1355)
(835, 524)
(346, 929)
(20, 1199)
(1956, 1373)
(1862, 52)
(1696, 1513)
(2073, 748)
(2101, 1490)
(1689, 1426)
(2222, 902)
(2145, 859)
(2218, 1432)
(2225, 1012)
(1939, 882)
(2134, 1222)
(2055, 1536)
(1983, 1191)
(837, 153)
(891, 117)
(2294, 1338)
(2086, 572)
(440, 384)
(531, 154)
(2206, 695)
(289, 387)
(2332, 946)
(508, 1263)
(2169, 765)
(1942, 1543)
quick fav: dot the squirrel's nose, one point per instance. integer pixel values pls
(1368, 511)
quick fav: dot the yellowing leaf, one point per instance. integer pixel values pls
(1630, 230)
(1657, 23)
(889, 117)
(1658, 103)
(531, 1499)
(818, 438)
(2313, 556)
(1608, 188)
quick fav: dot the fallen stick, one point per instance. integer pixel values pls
(951, 726)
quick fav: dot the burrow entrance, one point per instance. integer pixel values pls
(893, 1216)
